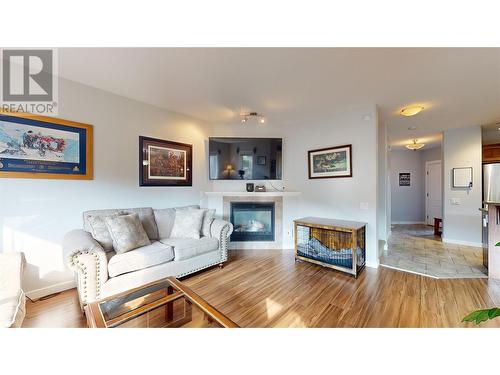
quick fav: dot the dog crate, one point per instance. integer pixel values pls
(337, 244)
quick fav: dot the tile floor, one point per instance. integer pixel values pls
(414, 248)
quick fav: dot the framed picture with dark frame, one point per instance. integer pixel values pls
(261, 160)
(165, 163)
(33, 146)
(330, 162)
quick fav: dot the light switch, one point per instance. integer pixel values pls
(363, 205)
(455, 201)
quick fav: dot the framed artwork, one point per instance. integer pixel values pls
(404, 179)
(34, 146)
(261, 160)
(164, 163)
(331, 162)
(462, 178)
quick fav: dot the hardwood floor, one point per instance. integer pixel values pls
(267, 288)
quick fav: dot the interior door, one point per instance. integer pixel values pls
(433, 191)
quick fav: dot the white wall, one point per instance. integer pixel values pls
(431, 154)
(407, 203)
(333, 198)
(35, 214)
(383, 186)
(462, 222)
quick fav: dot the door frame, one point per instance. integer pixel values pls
(426, 197)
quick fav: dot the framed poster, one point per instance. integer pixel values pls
(405, 179)
(34, 146)
(330, 162)
(164, 163)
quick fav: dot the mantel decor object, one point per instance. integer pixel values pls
(164, 163)
(260, 188)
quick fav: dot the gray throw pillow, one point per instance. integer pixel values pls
(187, 224)
(208, 218)
(100, 231)
(127, 232)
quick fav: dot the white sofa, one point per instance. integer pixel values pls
(12, 297)
(103, 273)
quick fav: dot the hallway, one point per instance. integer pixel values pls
(414, 248)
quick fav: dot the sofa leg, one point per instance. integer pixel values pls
(221, 265)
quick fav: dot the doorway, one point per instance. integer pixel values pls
(433, 191)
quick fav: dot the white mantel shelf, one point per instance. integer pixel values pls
(252, 194)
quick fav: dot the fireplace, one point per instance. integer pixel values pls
(252, 221)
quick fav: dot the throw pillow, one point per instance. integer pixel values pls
(208, 218)
(127, 232)
(100, 231)
(187, 223)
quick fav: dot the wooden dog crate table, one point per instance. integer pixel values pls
(337, 244)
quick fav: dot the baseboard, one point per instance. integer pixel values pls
(372, 264)
(460, 242)
(407, 222)
(56, 288)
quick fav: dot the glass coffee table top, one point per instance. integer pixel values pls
(166, 303)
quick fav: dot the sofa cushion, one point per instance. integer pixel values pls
(127, 232)
(165, 218)
(146, 216)
(185, 248)
(138, 259)
(187, 224)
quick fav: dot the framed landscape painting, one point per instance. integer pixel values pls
(44, 147)
(330, 162)
(164, 163)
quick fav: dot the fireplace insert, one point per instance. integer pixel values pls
(252, 221)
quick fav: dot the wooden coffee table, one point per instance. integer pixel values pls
(166, 303)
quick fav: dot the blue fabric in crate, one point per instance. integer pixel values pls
(316, 250)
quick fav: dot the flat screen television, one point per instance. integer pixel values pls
(245, 158)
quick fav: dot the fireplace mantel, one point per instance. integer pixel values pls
(252, 194)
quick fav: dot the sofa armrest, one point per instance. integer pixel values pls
(88, 260)
(221, 230)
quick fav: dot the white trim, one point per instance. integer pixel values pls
(407, 222)
(252, 194)
(426, 196)
(460, 242)
(372, 264)
(42, 292)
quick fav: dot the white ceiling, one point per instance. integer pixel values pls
(297, 86)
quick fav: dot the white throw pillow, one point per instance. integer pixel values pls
(208, 218)
(187, 223)
(100, 231)
(127, 232)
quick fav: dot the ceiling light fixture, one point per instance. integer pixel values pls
(411, 111)
(415, 145)
(252, 115)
